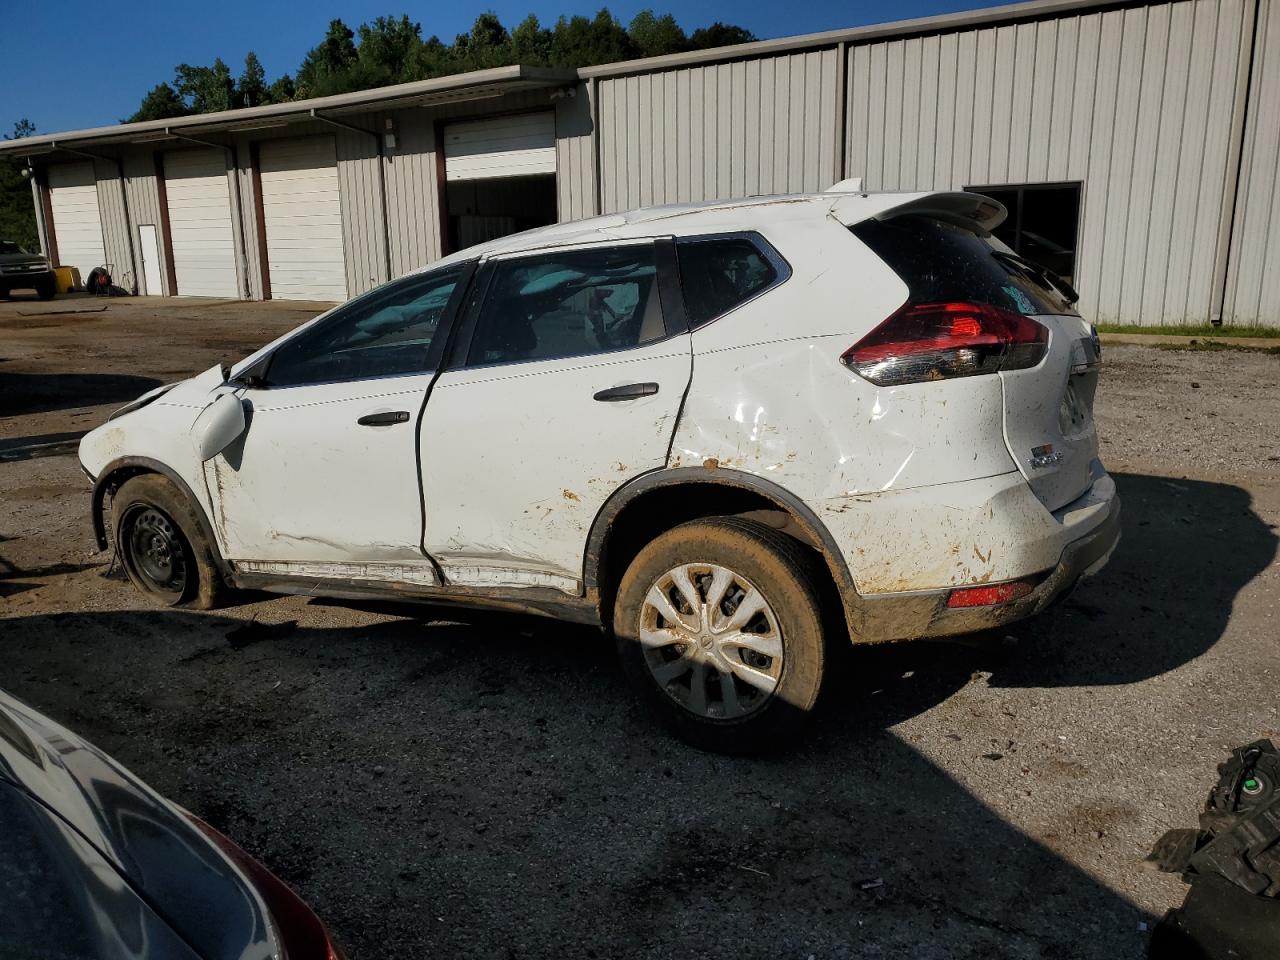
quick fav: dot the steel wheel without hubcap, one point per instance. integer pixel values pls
(711, 641)
(156, 551)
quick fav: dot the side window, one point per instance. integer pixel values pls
(569, 304)
(719, 273)
(385, 333)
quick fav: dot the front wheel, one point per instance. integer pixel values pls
(46, 289)
(719, 628)
(160, 544)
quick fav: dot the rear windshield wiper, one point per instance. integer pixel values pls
(1039, 272)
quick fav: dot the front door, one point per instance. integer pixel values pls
(570, 386)
(324, 481)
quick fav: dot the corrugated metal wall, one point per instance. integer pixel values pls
(575, 160)
(144, 207)
(724, 130)
(115, 224)
(1137, 104)
(1253, 276)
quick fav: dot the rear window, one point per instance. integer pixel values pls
(941, 262)
(720, 273)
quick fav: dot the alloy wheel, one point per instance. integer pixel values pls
(711, 641)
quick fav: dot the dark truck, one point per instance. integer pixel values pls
(20, 270)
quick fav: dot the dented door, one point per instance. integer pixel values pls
(571, 386)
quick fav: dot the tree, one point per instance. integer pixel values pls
(391, 50)
(719, 35)
(205, 89)
(657, 36)
(326, 68)
(282, 90)
(251, 88)
(161, 103)
(386, 52)
(17, 211)
(579, 42)
(530, 43)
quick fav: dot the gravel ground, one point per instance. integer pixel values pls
(486, 787)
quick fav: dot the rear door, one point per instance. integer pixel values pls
(569, 384)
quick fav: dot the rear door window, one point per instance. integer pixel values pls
(718, 274)
(942, 262)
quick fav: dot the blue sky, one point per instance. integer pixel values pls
(71, 64)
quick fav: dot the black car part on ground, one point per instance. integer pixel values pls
(1232, 864)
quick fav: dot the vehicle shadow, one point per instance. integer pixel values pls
(477, 784)
(24, 393)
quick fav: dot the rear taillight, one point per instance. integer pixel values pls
(938, 341)
(302, 933)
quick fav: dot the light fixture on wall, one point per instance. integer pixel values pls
(389, 135)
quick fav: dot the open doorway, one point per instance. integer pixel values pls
(499, 177)
(1043, 223)
(481, 210)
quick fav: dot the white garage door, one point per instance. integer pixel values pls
(204, 255)
(502, 147)
(303, 216)
(77, 227)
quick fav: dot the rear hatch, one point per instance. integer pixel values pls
(949, 260)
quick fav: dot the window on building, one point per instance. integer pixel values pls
(569, 304)
(719, 273)
(1043, 222)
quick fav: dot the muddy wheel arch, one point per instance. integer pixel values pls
(635, 512)
(118, 471)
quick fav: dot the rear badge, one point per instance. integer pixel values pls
(1044, 456)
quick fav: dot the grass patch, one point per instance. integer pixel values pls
(1193, 330)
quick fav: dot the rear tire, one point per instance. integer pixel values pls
(738, 667)
(164, 554)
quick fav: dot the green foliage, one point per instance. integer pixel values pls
(17, 210)
(657, 36)
(251, 88)
(205, 89)
(161, 103)
(392, 50)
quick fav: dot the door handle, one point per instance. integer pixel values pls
(628, 391)
(384, 419)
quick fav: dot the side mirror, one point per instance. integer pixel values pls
(218, 426)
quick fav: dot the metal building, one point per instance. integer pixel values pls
(1136, 144)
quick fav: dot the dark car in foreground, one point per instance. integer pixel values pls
(94, 865)
(20, 270)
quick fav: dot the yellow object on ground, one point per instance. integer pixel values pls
(66, 279)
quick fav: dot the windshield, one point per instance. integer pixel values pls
(8, 246)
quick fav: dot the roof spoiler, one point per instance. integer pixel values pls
(969, 210)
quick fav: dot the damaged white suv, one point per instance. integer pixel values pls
(702, 427)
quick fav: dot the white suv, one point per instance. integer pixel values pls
(702, 427)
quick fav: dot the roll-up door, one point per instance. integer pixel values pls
(204, 256)
(516, 146)
(77, 225)
(302, 212)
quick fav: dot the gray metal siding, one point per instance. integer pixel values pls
(1137, 104)
(1253, 280)
(731, 129)
(413, 213)
(144, 207)
(115, 232)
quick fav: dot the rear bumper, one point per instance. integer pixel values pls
(1093, 522)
